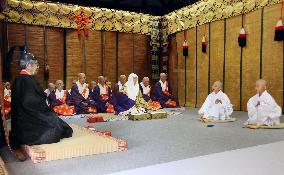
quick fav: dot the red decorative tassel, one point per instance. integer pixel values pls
(86, 21)
(279, 31)
(185, 48)
(242, 38)
(203, 44)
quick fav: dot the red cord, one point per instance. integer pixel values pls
(184, 35)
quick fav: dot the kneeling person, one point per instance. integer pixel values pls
(81, 96)
(217, 105)
(145, 89)
(262, 108)
(102, 95)
(58, 100)
(163, 93)
(33, 122)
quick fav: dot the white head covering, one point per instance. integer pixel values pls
(132, 90)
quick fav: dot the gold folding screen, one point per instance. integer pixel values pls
(237, 68)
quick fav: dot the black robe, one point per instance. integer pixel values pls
(33, 122)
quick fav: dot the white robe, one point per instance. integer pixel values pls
(7, 92)
(213, 111)
(267, 113)
(131, 88)
(146, 89)
(47, 92)
(121, 87)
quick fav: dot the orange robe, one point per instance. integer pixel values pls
(59, 104)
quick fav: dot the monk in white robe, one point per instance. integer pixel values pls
(217, 105)
(262, 108)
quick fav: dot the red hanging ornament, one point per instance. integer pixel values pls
(185, 45)
(185, 48)
(203, 43)
(242, 38)
(279, 31)
(82, 21)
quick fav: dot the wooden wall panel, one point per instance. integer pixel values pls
(16, 36)
(35, 40)
(173, 64)
(125, 53)
(202, 68)
(272, 67)
(251, 56)
(216, 51)
(109, 56)
(93, 55)
(141, 56)
(181, 83)
(74, 56)
(232, 66)
(191, 68)
(55, 53)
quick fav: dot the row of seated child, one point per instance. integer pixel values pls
(124, 97)
(262, 108)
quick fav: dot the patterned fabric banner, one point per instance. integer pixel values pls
(206, 11)
(63, 15)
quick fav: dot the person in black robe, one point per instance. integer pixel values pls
(33, 122)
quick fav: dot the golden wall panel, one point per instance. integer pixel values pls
(202, 68)
(191, 68)
(232, 66)
(251, 56)
(272, 58)
(181, 84)
(217, 51)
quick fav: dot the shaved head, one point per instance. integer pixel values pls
(59, 84)
(261, 82)
(51, 86)
(260, 86)
(82, 78)
(163, 77)
(217, 86)
(146, 81)
(59, 81)
(122, 79)
(101, 80)
(7, 85)
(93, 84)
(146, 78)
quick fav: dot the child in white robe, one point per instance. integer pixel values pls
(217, 105)
(262, 108)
